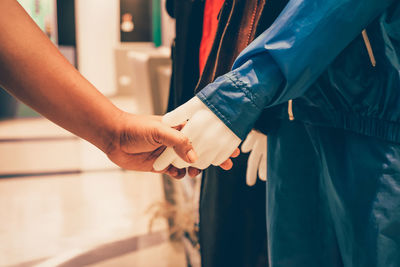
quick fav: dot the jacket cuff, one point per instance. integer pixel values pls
(239, 97)
(228, 99)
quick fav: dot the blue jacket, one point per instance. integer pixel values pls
(315, 58)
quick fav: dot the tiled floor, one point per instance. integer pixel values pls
(96, 218)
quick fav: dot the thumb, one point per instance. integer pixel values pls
(252, 167)
(182, 113)
(172, 138)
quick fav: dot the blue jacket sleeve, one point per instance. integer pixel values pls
(287, 58)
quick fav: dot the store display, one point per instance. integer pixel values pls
(256, 144)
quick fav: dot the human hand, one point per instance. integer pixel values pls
(256, 144)
(212, 140)
(139, 140)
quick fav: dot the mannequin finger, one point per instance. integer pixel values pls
(222, 157)
(262, 169)
(194, 127)
(223, 151)
(191, 131)
(248, 143)
(165, 159)
(208, 145)
(235, 154)
(251, 177)
(252, 167)
(198, 144)
(180, 163)
(183, 112)
(202, 164)
(226, 152)
(204, 160)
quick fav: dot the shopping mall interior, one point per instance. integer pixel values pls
(62, 201)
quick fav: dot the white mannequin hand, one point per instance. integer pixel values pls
(256, 144)
(212, 140)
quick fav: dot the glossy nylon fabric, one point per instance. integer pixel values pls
(333, 198)
(312, 39)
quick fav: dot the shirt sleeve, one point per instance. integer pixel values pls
(287, 58)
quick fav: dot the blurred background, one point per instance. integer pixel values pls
(62, 202)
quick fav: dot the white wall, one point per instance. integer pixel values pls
(97, 31)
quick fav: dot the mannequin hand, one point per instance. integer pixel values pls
(226, 165)
(212, 140)
(256, 144)
(139, 140)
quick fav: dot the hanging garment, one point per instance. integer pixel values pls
(333, 198)
(212, 10)
(232, 215)
(185, 49)
(333, 190)
(315, 58)
(240, 21)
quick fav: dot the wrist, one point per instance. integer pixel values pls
(108, 140)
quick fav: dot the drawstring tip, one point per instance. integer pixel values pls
(369, 48)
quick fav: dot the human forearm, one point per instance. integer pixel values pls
(35, 72)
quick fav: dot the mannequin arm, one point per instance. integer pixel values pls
(287, 58)
(278, 66)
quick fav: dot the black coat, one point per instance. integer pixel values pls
(232, 215)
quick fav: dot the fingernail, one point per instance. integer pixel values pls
(192, 156)
(173, 172)
(195, 173)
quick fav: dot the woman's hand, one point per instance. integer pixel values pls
(60, 93)
(138, 140)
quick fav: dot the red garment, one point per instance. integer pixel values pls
(210, 24)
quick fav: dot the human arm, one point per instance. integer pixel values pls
(34, 71)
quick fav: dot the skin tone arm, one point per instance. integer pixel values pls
(34, 71)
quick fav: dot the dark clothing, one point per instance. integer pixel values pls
(334, 172)
(232, 215)
(241, 22)
(338, 204)
(315, 56)
(185, 49)
(212, 10)
(232, 218)
(333, 194)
